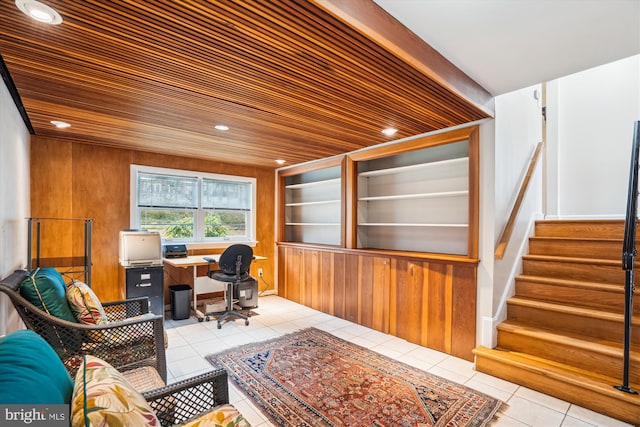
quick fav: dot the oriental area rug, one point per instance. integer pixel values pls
(312, 378)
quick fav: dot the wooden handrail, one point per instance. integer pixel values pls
(508, 228)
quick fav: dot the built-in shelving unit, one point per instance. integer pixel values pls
(418, 196)
(313, 204)
(416, 201)
(387, 237)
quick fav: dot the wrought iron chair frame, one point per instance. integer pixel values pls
(127, 342)
(178, 402)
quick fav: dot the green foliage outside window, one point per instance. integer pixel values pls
(180, 224)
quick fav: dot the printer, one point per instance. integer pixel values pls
(139, 248)
(174, 251)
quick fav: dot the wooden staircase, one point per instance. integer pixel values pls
(564, 330)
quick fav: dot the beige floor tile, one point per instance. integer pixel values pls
(190, 341)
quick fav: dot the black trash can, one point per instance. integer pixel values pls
(180, 301)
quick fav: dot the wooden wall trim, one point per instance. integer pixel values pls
(379, 26)
(434, 257)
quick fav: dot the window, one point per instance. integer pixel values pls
(191, 207)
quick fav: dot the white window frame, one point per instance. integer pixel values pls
(199, 241)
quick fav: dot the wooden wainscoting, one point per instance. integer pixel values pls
(429, 302)
(76, 180)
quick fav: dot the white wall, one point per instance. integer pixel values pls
(583, 174)
(590, 140)
(518, 129)
(14, 199)
(486, 246)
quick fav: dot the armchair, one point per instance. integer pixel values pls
(131, 338)
(31, 373)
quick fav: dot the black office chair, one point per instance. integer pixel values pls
(234, 266)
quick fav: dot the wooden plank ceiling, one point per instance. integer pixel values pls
(293, 79)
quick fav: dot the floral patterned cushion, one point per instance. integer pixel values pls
(220, 416)
(85, 305)
(103, 397)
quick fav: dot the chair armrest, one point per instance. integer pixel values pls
(129, 343)
(178, 402)
(120, 310)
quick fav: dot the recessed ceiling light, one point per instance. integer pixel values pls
(221, 127)
(281, 162)
(39, 11)
(389, 131)
(60, 124)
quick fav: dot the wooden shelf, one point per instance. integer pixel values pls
(450, 163)
(325, 182)
(315, 224)
(396, 224)
(415, 196)
(319, 202)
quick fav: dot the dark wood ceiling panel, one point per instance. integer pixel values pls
(291, 79)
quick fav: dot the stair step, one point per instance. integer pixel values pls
(564, 331)
(576, 247)
(574, 385)
(574, 268)
(585, 321)
(600, 356)
(605, 229)
(604, 296)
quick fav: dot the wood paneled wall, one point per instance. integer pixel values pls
(427, 301)
(71, 179)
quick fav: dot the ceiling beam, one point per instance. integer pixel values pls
(380, 27)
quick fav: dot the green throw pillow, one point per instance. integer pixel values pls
(45, 288)
(31, 372)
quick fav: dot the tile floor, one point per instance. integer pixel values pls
(190, 341)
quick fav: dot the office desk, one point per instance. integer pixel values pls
(201, 283)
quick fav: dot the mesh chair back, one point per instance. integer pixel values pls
(229, 258)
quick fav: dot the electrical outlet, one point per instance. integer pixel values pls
(259, 272)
